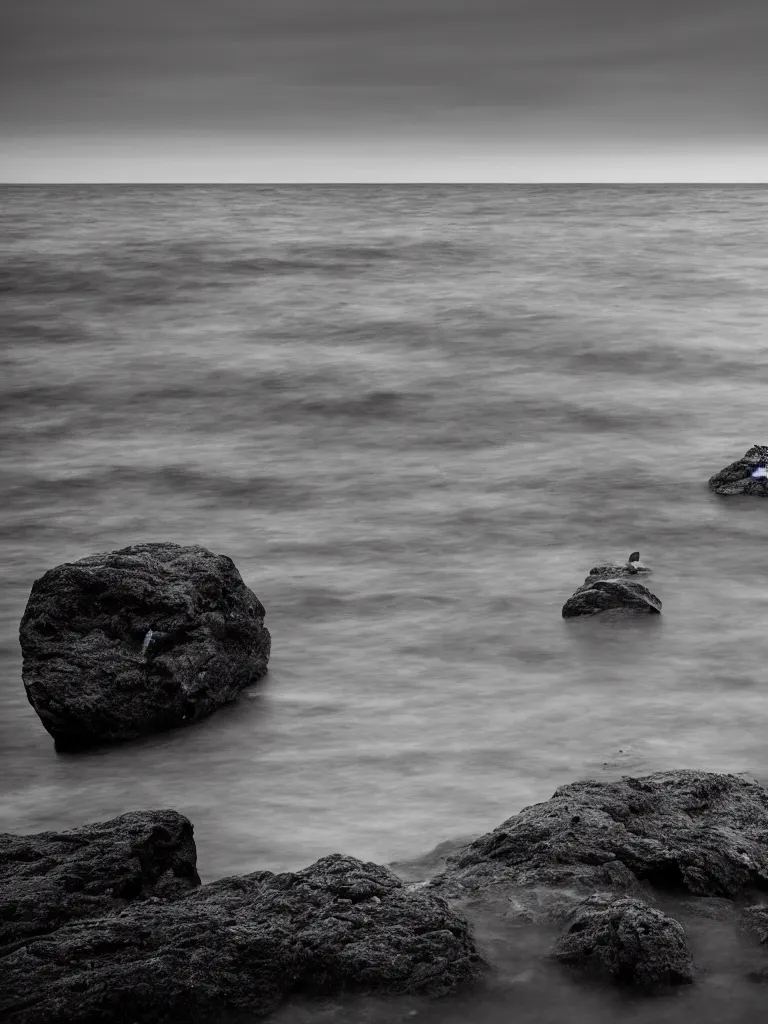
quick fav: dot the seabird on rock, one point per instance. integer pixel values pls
(634, 564)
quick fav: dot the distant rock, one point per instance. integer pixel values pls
(138, 640)
(748, 475)
(679, 831)
(49, 879)
(611, 586)
(242, 944)
(626, 941)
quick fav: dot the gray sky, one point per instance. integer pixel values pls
(367, 90)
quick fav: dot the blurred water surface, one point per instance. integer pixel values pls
(414, 417)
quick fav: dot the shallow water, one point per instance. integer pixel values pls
(414, 417)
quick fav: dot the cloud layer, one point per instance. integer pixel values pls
(513, 75)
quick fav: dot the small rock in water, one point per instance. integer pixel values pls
(609, 587)
(748, 475)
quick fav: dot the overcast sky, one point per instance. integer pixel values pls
(435, 90)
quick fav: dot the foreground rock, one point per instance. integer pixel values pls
(626, 941)
(680, 831)
(610, 587)
(748, 475)
(242, 944)
(130, 642)
(51, 878)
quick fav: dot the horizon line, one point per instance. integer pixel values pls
(367, 184)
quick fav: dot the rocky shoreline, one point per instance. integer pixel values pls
(110, 921)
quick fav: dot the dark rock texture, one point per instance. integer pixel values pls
(626, 941)
(134, 641)
(682, 831)
(617, 572)
(755, 920)
(51, 878)
(608, 587)
(738, 478)
(242, 944)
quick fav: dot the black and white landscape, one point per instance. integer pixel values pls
(385, 477)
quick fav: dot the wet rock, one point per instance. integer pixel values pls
(748, 475)
(625, 940)
(242, 944)
(681, 831)
(51, 878)
(138, 640)
(755, 921)
(616, 572)
(609, 587)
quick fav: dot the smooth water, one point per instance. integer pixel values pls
(414, 417)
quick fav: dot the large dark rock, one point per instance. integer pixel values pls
(51, 878)
(748, 475)
(610, 587)
(134, 641)
(242, 944)
(682, 831)
(626, 941)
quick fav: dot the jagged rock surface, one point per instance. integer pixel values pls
(51, 878)
(625, 940)
(138, 640)
(682, 831)
(609, 587)
(242, 944)
(738, 477)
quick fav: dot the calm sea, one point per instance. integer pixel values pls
(414, 417)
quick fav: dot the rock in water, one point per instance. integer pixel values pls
(138, 640)
(627, 941)
(680, 831)
(748, 475)
(242, 944)
(608, 587)
(49, 879)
